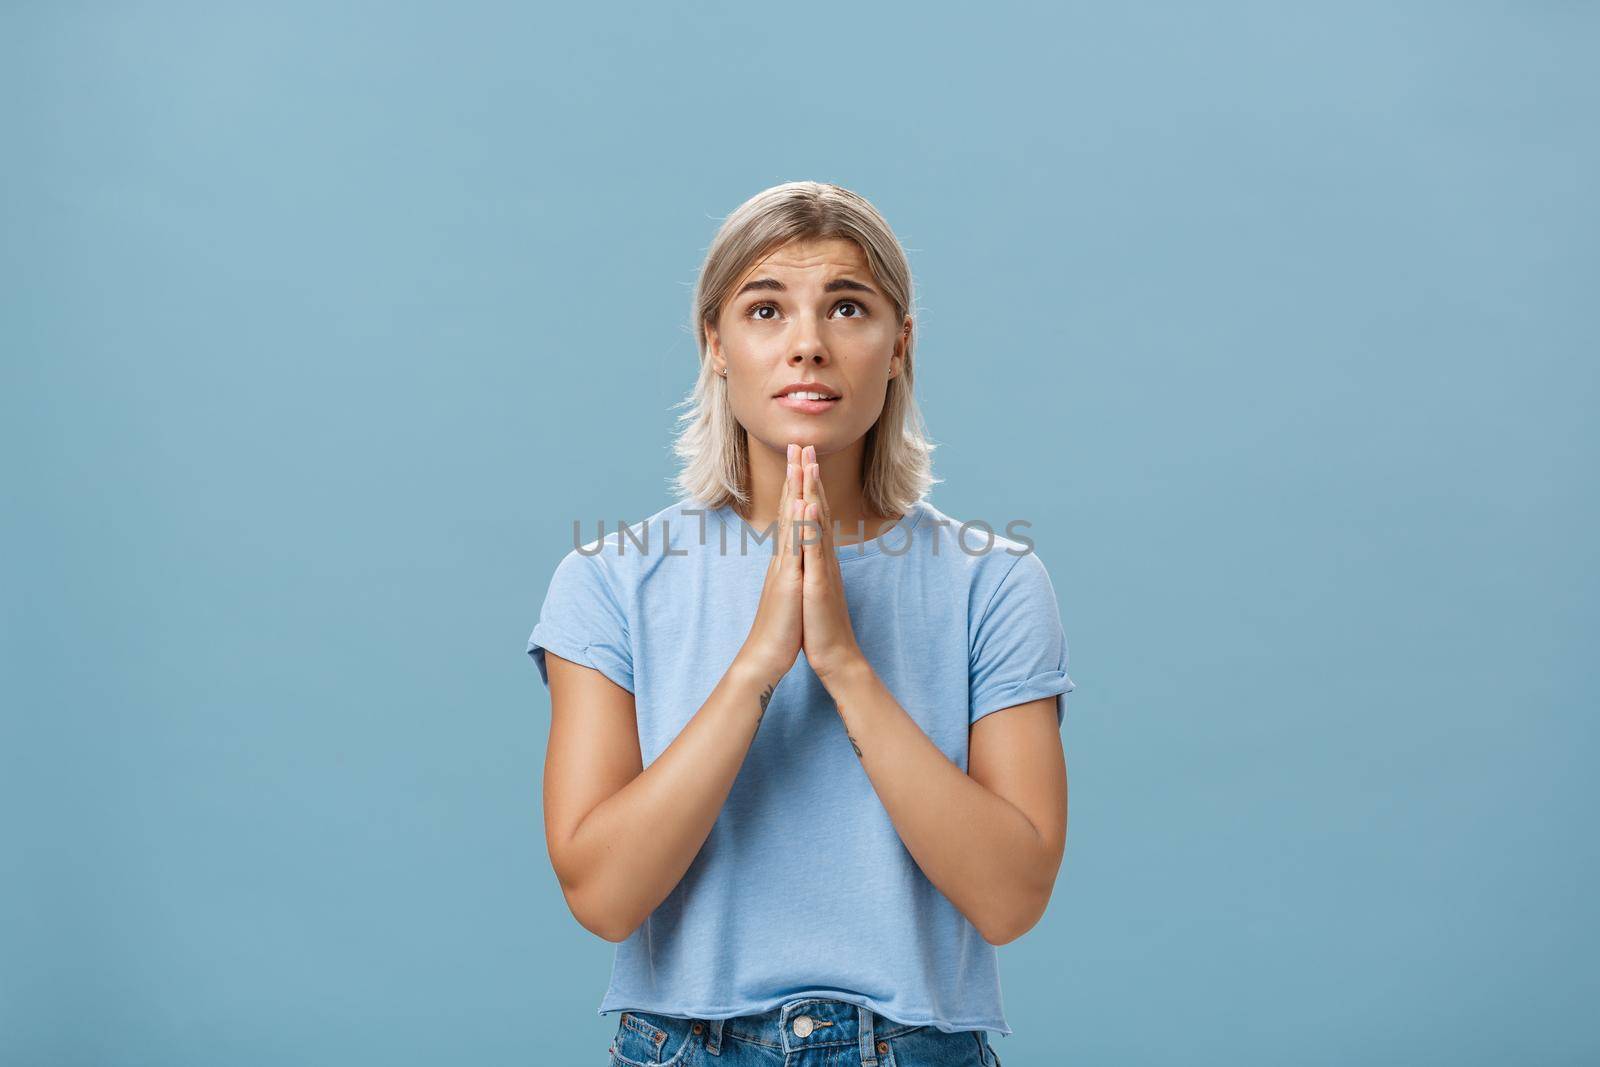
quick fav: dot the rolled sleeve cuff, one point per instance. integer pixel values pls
(997, 698)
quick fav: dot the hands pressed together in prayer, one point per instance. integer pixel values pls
(802, 601)
(994, 849)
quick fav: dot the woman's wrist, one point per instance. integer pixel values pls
(848, 671)
(747, 670)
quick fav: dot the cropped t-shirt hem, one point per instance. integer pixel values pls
(758, 1009)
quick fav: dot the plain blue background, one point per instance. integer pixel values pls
(322, 324)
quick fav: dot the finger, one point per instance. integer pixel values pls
(808, 491)
(812, 539)
(783, 499)
(816, 565)
(820, 498)
(813, 465)
(794, 510)
(813, 492)
(826, 554)
(796, 554)
(791, 480)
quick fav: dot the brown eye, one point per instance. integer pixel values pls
(860, 311)
(758, 307)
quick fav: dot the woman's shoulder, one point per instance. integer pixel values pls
(982, 546)
(626, 549)
(984, 561)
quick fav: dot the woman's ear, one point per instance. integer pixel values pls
(898, 359)
(714, 351)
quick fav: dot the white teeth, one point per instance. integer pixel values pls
(811, 396)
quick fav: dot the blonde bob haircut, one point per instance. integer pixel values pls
(712, 446)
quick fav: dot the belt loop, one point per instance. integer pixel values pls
(714, 1036)
(869, 1048)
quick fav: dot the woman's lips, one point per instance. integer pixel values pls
(807, 407)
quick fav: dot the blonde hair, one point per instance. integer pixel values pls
(896, 462)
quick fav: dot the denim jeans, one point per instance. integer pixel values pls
(806, 1032)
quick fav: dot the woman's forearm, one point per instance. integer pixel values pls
(629, 852)
(978, 848)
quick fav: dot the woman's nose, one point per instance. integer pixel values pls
(808, 343)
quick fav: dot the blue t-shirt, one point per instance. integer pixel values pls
(803, 887)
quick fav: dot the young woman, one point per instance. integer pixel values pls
(804, 763)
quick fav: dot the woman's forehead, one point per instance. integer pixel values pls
(826, 257)
(811, 253)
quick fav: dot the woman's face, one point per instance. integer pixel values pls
(810, 312)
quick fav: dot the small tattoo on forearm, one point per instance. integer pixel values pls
(853, 743)
(766, 698)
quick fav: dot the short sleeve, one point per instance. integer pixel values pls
(582, 620)
(1018, 648)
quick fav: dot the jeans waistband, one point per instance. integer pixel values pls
(808, 1022)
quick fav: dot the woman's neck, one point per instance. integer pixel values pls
(841, 486)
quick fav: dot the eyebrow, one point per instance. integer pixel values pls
(837, 285)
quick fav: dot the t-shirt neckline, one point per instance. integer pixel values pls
(859, 550)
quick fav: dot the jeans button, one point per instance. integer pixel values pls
(803, 1025)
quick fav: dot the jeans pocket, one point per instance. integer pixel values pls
(647, 1039)
(928, 1045)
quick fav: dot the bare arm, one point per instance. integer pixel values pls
(620, 838)
(992, 838)
(620, 835)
